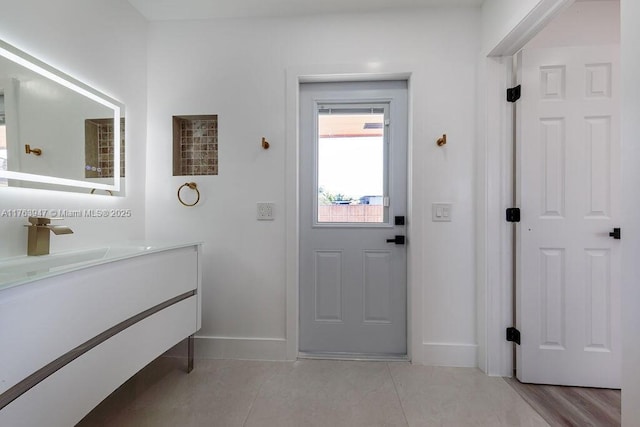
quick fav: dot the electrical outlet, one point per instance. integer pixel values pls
(265, 211)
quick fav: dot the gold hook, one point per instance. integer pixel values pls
(265, 143)
(28, 150)
(193, 186)
(442, 141)
(93, 190)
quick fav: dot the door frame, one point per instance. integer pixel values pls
(495, 235)
(331, 74)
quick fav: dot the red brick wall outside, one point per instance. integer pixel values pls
(350, 213)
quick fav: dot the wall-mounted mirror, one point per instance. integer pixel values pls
(56, 132)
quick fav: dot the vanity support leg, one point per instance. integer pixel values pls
(190, 342)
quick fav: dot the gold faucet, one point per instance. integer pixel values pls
(39, 236)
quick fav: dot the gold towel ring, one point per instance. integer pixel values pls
(193, 186)
(93, 190)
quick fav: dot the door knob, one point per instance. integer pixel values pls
(398, 240)
(615, 233)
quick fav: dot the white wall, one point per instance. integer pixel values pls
(584, 23)
(630, 56)
(237, 69)
(104, 45)
(500, 17)
(494, 187)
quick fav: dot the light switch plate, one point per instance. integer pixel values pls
(265, 211)
(441, 212)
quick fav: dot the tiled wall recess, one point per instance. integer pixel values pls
(99, 148)
(195, 145)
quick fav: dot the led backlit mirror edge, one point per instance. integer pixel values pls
(22, 58)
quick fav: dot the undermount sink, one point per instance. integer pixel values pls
(27, 264)
(21, 269)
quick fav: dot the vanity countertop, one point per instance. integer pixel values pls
(19, 270)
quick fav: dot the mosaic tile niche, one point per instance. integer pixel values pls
(195, 145)
(98, 148)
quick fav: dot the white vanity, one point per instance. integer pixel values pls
(74, 326)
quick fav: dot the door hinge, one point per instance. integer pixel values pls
(385, 202)
(513, 215)
(513, 94)
(513, 335)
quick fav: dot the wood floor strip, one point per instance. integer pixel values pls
(591, 405)
(571, 406)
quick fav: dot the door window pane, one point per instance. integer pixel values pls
(351, 165)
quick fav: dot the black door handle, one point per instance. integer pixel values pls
(398, 240)
(615, 233)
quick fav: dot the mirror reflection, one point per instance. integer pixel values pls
(3, 141)
(55, 132)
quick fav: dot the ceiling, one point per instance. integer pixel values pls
(162, 10)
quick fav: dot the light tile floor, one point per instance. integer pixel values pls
(311, 393)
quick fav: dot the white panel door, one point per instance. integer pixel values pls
(568, 268)
(353, 178)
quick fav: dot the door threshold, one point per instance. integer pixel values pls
(354, 356)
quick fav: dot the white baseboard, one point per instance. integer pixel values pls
(240, 348)
(450, 354)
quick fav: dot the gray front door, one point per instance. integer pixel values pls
(353, 192)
